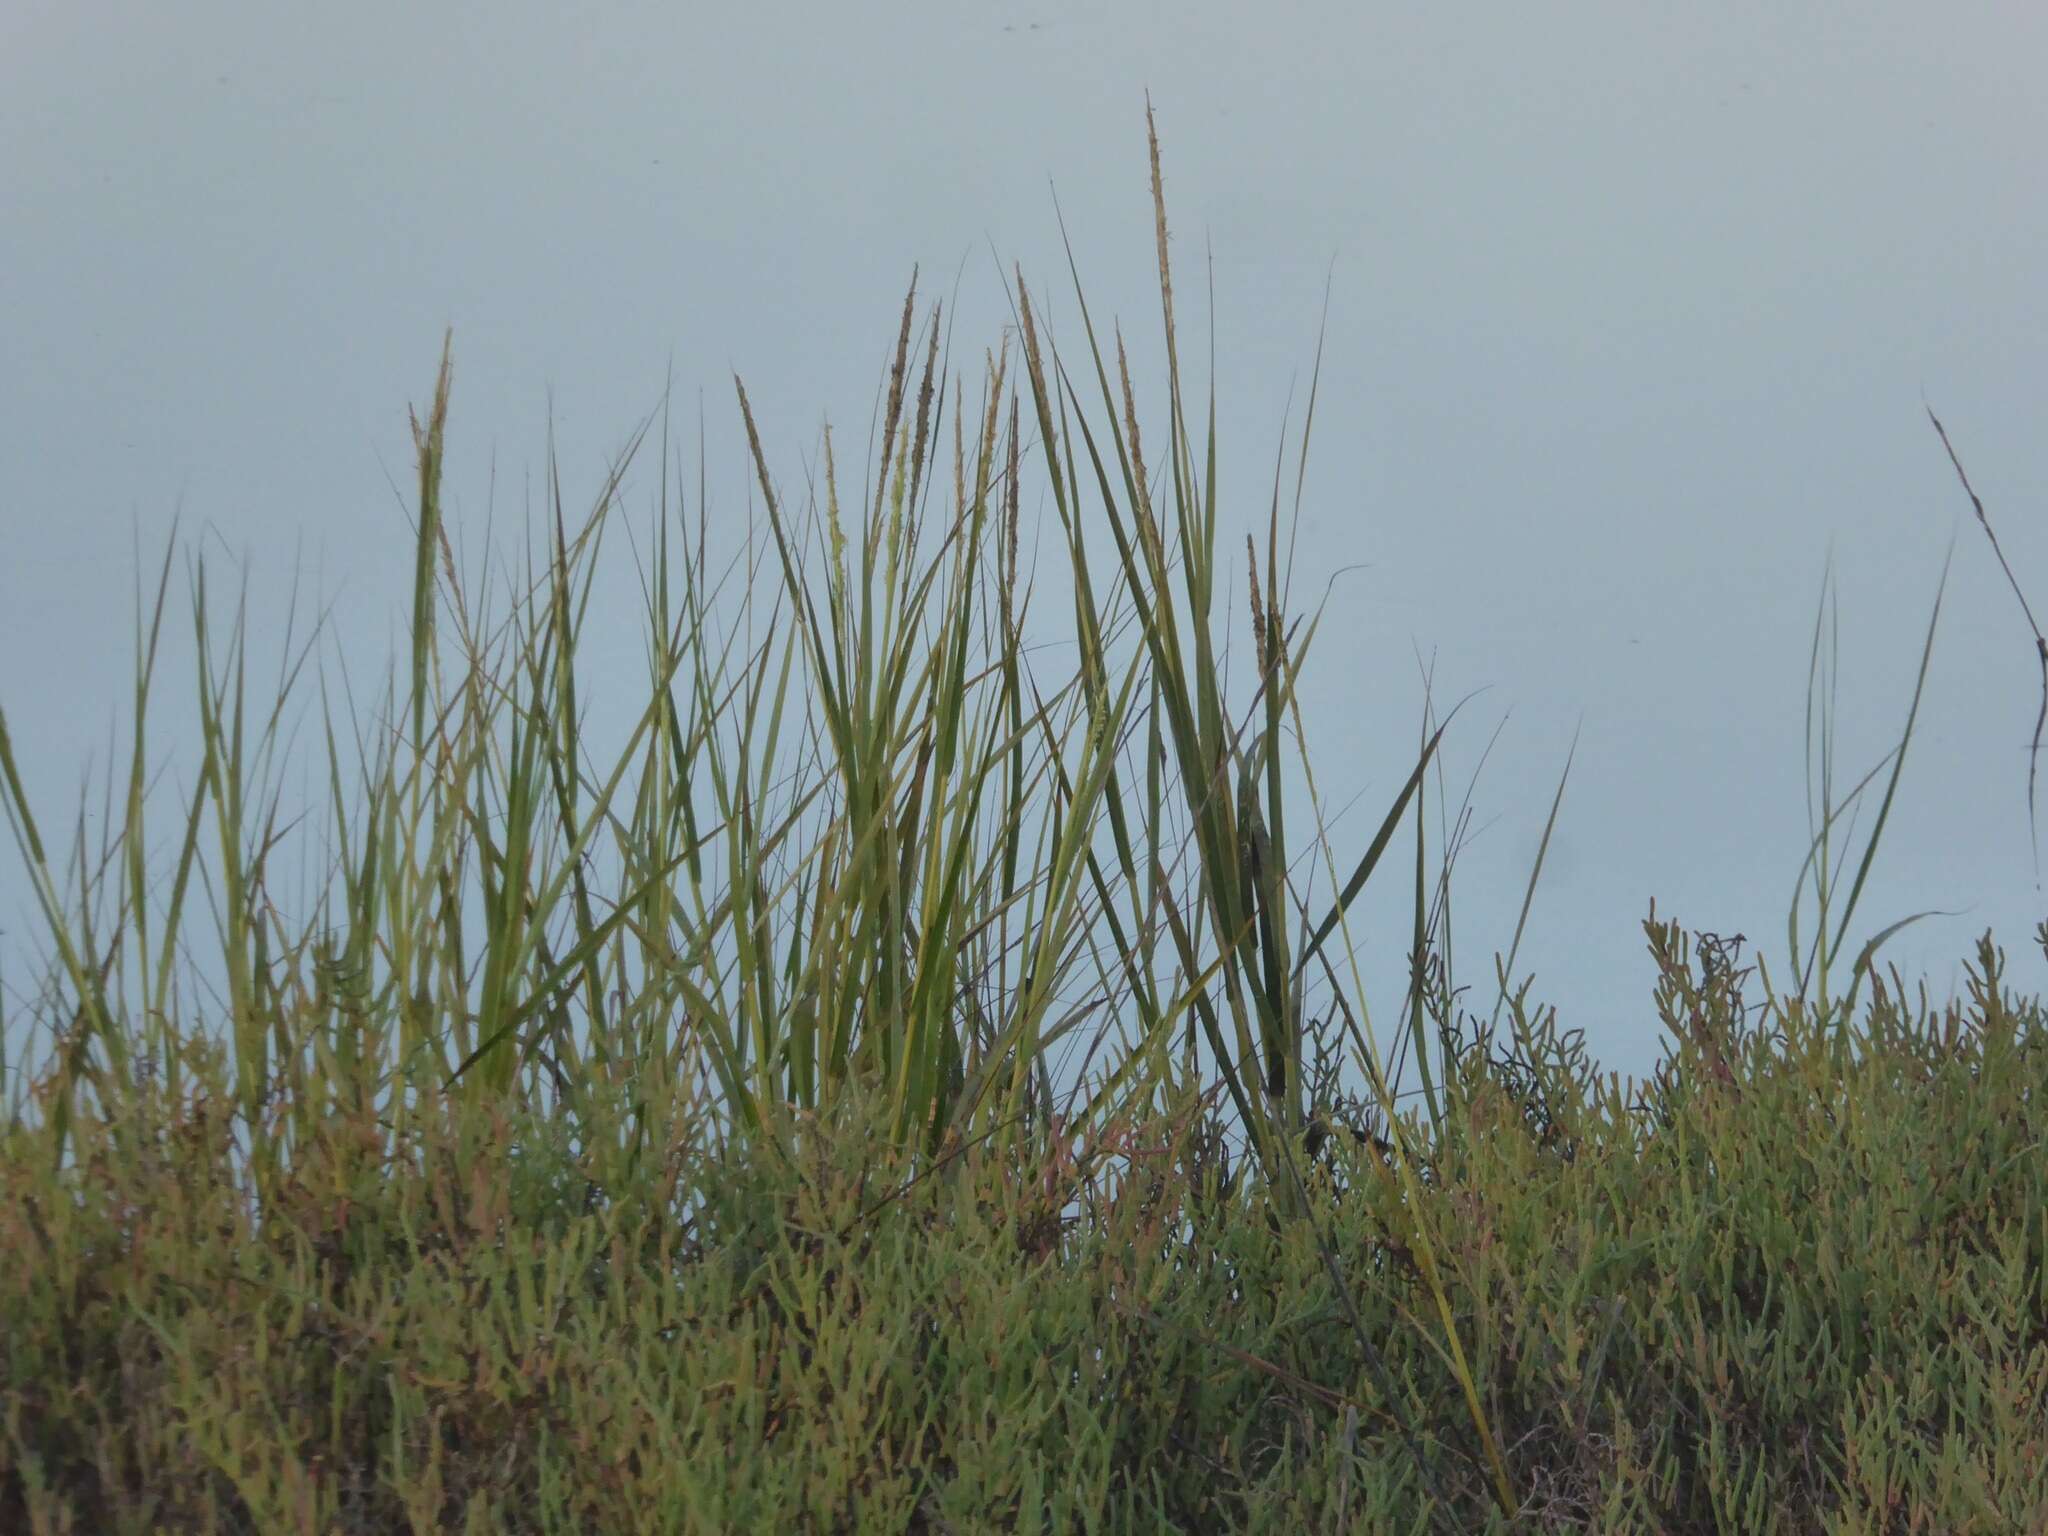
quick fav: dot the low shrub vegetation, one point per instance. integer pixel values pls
(663, 1135)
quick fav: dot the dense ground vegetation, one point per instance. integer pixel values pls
(669, 1140)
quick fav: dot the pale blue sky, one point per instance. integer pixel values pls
(1634, 310)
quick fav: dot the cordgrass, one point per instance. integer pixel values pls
(664, 1136)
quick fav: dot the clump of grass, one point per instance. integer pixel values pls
(849, 884)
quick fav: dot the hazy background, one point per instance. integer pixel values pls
(1634, 311)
